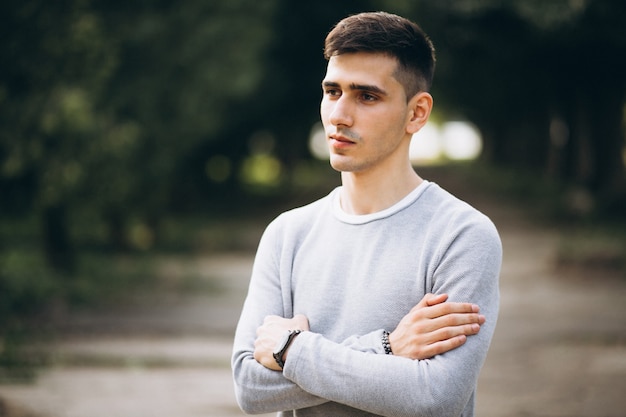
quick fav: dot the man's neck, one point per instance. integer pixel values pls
(366, 193)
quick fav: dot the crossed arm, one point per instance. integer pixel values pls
(353, 372)
(431, 328)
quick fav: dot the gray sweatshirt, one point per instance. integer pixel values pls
(354, 276)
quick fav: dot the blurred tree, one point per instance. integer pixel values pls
(182, 71)
(55, 60)
(544, 81)
(588, 63)
(103, 101)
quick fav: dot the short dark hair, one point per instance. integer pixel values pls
(390, 34)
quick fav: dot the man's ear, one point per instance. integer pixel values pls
(420, 107)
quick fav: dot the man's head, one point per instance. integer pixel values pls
(380, 32)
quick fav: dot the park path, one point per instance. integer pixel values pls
(559, 348)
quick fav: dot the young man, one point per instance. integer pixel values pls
(385, 252)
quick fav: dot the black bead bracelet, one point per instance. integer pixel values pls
(386, 345)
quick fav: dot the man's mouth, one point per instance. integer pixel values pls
(337, 137)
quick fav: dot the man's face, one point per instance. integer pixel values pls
(365, 113)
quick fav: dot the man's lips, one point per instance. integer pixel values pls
(340, 141)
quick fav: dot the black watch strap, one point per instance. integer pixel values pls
(282, 348)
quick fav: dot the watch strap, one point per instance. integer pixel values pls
(278, 356)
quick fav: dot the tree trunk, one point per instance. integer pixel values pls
(56, 239)
(606, 119)
(116, 227)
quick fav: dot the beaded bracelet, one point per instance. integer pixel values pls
(386, 345)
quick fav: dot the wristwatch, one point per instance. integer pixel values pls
(283, 345)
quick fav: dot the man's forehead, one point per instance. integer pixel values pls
(373, 73)
(361, 68)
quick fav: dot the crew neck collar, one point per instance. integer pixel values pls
(366, 218)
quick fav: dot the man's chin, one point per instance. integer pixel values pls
(339, 164)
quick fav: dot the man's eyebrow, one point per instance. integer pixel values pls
(368, 88)
(358, 87)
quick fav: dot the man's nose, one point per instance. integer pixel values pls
(342, 112)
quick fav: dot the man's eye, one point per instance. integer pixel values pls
(333, 92)
(368, 97)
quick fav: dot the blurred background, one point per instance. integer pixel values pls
(138, 137)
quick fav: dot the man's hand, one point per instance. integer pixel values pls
(435, 326)
(270, 333)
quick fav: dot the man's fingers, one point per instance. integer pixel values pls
(440, 347)
(453, 320)
(299, 321)
(434, 299)
(435, 326)
(436, 305)
(452, 332)
(449, 326)
(272, 319)
(444, 309)
(444, 340)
